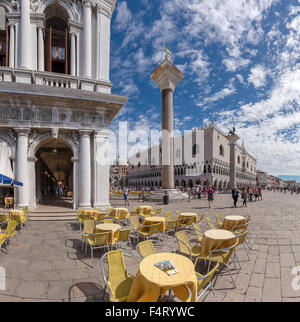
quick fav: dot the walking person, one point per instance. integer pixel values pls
(259, 190)
(235, 196)
(126, 196)
(60, 191)
(210, 196)
(244, 196)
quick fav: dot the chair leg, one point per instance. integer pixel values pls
(92, 256)
(228, 269)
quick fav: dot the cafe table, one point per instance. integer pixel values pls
(142, 209)
(184, 215)
(112, 228)
(117, 211)
(17, 215)
(155, 220)
(151, 282)
(234, 220)
(216, 239)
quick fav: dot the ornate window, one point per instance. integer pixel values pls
(239, 160)
(221, 150)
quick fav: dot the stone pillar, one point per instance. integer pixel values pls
(85, 170)
(101, 164)
(41, 57)
(103, 42)
(25, 53)
(232, 141)
(73, 54)
(11, 45)
(167, 76)
(87, 39)
(22, 168)
(167, 172)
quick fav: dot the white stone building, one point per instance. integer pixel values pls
(55, 96)
(215, 170)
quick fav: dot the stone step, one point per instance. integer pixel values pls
(42, 216)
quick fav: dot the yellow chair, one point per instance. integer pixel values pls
(124, 238)
(169, 216)
(198, 231)
(3, 218)
(8, 202)
(223, 256)
(149, 231)
(220, 219)
(96, 241)
(88, 228)
(99, 217)
(7, 234)
(241, 241)
(185, 246)
(170, 228)
(202, 217)
(183, 289)
(108, 221)
(211, 224)
(204, 282)
(110, 212)
(157, 212)
(145, 248)
(117, 280)
(185, 222)
(147, 213)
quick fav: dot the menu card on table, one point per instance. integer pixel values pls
(167, 267)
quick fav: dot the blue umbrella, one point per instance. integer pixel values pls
(4, 180)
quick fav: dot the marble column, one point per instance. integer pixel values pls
(167, 76)
(21, 174)
(41, 59)
(101, 164)
(85, 170)
(232, 141)
(25, 28)
(73, 54)
(87, 39)
(11, 45)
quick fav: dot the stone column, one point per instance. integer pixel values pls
(11, 45)
(25, 53)
(87, 39)
(22, 168)
(167, 76)
(85, 170)
(101, 166)
(73, 54)
(232, 141)
(167, 172)
(41, 59)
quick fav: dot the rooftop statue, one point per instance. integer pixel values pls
(232, 132)
(168, 56)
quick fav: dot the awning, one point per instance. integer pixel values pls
(6, 181)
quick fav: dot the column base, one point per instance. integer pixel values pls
(174, 195)
(85, 206)
(102, 207)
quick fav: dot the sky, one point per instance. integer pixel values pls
(241, 60)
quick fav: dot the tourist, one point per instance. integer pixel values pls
(55, 191)
(210, 196)
(250, 194)
(235, 196)
(60, 191)
(244, 196)
(126, 196)
(259, 191)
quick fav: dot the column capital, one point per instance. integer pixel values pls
(105, 133)
(89, 3)
(232, 139)
(167, 76)
(84, 133)
(22, 131)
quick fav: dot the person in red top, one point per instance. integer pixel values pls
(259, 193)
(210, 196)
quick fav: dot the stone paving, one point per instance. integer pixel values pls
(45, 262)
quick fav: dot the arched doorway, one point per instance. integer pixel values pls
(54, 168)
(56, 44)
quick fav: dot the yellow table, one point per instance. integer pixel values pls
(216, 239)
(116, 212)
(141, 209)
(113, 228)
(155, 220)
(151, 282)
(231, 221)
(90, 211)
(183, 216)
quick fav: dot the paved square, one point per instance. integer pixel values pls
(45, 262)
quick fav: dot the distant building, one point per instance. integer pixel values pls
(214, 172)
(118, 176)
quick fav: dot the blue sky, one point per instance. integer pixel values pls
(241, 59)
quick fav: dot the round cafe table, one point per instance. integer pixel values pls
(156, 220)
(116, 212)
(141, 209)
(90, 211)
(113, 228)
(188, 214)
(17, 215)
(216, 239)
(151, 282)
(231, 221)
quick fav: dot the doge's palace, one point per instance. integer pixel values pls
(55, 97)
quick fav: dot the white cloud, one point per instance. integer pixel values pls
(258, 76)
(123, 16)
